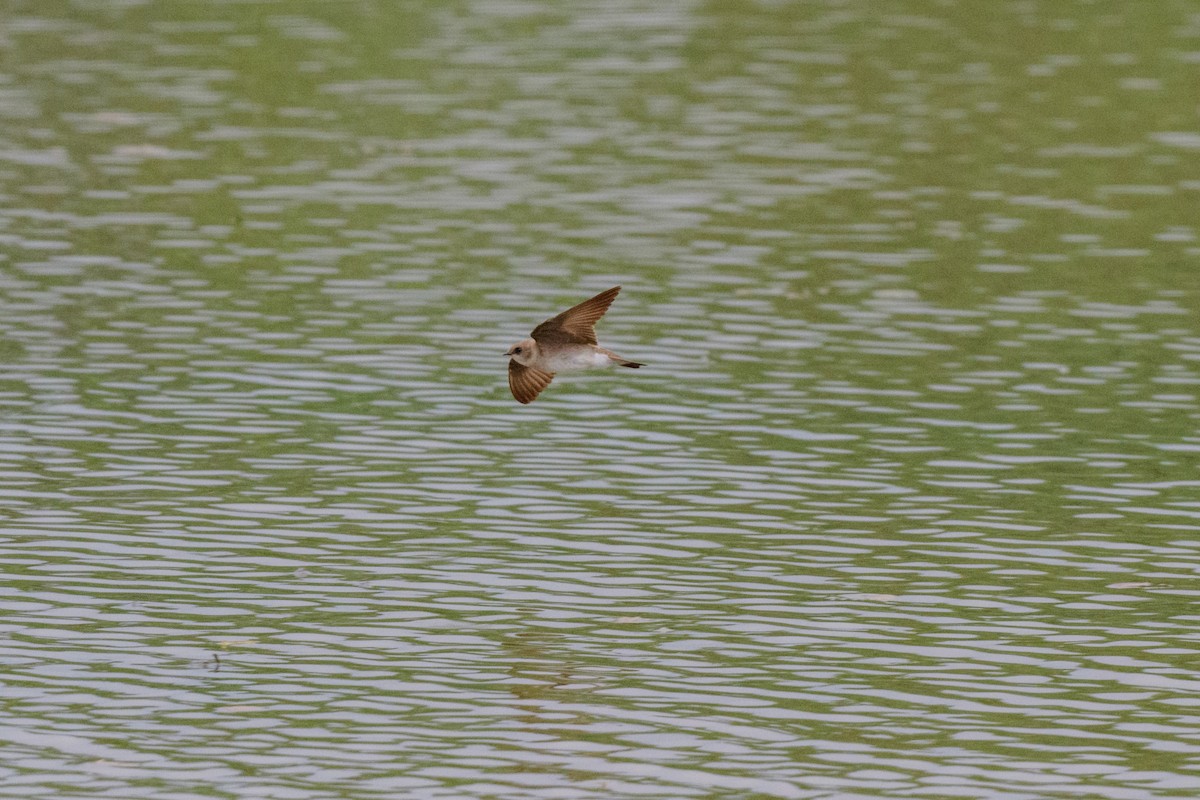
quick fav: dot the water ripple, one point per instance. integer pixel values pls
(902, 506)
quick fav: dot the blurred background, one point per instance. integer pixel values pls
(904, 505)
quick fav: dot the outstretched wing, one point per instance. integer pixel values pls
(577, 324)
(525, 382)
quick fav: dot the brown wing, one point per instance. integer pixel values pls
(525, 382)
(577, 324)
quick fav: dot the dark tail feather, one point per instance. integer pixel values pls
(620, 361)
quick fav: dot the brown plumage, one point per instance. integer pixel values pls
(565, 342)
(576, 325)
(526, 383)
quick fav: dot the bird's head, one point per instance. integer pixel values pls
(523, 352)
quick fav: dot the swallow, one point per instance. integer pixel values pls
(565, 343)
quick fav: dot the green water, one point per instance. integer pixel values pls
(904, 504)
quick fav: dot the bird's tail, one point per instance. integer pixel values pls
(619, 361)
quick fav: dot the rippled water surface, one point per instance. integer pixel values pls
(905, 505)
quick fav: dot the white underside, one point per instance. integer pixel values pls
(575, 361)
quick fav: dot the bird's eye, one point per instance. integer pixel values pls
(516, 349)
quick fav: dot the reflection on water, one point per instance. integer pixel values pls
(904, 505)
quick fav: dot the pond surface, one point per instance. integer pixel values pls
(906, 503)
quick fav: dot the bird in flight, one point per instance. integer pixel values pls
(566, 343)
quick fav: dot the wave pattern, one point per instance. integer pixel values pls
(904, 505)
